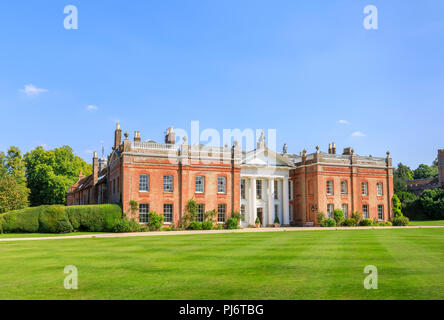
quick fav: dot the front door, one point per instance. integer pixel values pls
(260, 214)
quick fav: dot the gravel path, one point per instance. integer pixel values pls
(171, 233)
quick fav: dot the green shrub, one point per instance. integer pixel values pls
(320, 217)
(232, 223)
(276, 219)
(236, 215)
(1, 224)
(122, 226)
(400, 221)
(155, 221)
(207, 225)
(350, 222)
(339, 216)
(53, 219)
(166, 229)
(357, 216)
(366, 222)
(94, 218)
(143, 228)
(258, 221)
(388, 223)
(329, 223)
(24, 220)
(195, 225)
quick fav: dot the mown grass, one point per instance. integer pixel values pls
(427, 223)
(274, 265)
(39, 235)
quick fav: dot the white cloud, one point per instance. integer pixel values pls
(343, 122)
(92, 107)
(358, 134)
(32, 90)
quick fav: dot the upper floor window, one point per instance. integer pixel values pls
(365, 188)
(330, 187)
(221, 184)
(380, 212)
(258, 189)
(242, 185)
(365, 211)
(290, 190)
(144, 209)
(168, 183)
(144, 183)
(344, 187)
(200, 184)
(168, 213)
(276, 190)
(380, 189)
(243, 212)
(221, 212)
(200, 212)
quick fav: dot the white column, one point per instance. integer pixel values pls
(252, 211)
(286, 203)
(270, 201)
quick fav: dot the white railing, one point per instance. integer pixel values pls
(154, 146)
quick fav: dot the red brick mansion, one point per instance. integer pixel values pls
(261, 183)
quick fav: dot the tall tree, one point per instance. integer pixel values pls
(401, 175)
(51, 172)
(424, 171)
(13, 191)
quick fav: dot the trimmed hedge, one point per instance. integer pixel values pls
(60, 219)
(95, 218)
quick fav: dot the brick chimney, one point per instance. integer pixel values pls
(117, 136)
(333, 150)
(170, 137)
(441, 166)
(137, 136)
(95, 168)
(330, 149)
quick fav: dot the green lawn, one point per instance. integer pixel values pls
(427, 223)
(270, 265)
(37, 235)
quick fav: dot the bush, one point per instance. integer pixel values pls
(276, 220)
(338, 216)
(207, 225)
(357, 216)
(122, 226)
(388, 223)
(195, 225)
(329, 223)
(232, 223)
(155, 221)
(320, 217)
(53, 219)
(350, 222)
(24, 220)
(1, 224)
(94, 218)
(366, 223)
(400, 221)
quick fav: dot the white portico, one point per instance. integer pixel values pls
(265, 187)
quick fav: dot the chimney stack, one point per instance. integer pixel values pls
(137, 136)
(95, 168)
(330, 150)
(117, 137)
(333, 150)
(170, 137)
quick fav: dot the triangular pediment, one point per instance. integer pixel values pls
(265, 158)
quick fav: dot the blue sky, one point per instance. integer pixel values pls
(297, 66)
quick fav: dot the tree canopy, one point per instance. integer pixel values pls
(424, 172)
(51, 172)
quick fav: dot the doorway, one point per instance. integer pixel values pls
(260, 214)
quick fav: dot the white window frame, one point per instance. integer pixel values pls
(200, 212)
(221, 214)
(364, 188)
(144, 186)
(168, 214)
(144, 209)
(330, 185)
(276, 189)
(380, 188)
(200, 184)
(344, 183)
(330, 210)
(168, 184)
(365, 213)
(222, 184)
(242, 189)
(345, 210)
(259, 189)
(380, 212)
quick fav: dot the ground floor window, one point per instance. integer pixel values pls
(365, 211)
(381, 212)
(243, 212)
(345, 210)
(144, 208)
(221, 213)
(330, 209)
(200, 212)
(168, 213)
